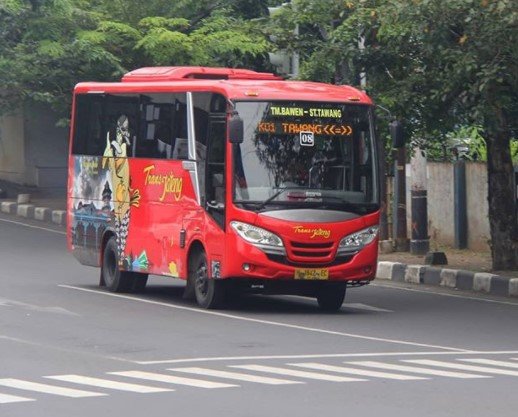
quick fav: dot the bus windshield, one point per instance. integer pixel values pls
(306, 153)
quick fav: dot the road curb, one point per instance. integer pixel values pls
(452, 278)
(30, 211)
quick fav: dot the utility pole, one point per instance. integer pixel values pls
(399, 213)
(286, 63)
(420, 242)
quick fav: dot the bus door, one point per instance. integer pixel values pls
(209, 128)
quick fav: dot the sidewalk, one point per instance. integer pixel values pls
(48, 205)
(466, 270)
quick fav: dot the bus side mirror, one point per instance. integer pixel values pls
(396, 133)
(235, 129)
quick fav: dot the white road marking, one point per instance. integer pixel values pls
(417, 370)
(354, 371)
(105, 383)
(296, 373)
(463, 367)
(235, 375)
(170, 379)
(61, 349)
(6, 399)
(492, 362)
(317, 356)
(354, 306)
(366, 307)
(4, 302)
(267, 322)
(48, 389)
(444, 294)
(33, 227)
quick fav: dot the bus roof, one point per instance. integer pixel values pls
(236, 84)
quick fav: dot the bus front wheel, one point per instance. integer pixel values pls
(114, 279)
(331, 297)
(209, 292)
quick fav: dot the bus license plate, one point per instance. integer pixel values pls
(311, 273)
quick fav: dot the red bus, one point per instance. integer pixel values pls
(230, 179)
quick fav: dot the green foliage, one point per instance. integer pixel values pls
(229, 42)
(435, 64)
(163, 47)
(49, 45)
(150, 23)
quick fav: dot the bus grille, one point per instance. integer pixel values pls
(311, 250)
(339, 260)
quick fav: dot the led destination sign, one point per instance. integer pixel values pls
(293, 128)
(301, 112)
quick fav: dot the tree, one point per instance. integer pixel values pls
(49, 45)
(43, 54)
(436, 64)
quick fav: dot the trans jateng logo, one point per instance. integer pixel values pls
(313, 232)
(170, 183)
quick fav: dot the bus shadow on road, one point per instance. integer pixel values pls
(247, 303)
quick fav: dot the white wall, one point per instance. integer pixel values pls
(33, 151)
(441, 226)
(478, 207)
(12, 149)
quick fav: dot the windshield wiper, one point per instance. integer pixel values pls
(275, 195)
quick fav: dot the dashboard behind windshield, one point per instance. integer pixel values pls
(305, 152)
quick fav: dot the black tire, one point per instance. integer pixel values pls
(209, 293)
(331, 297)
(113, 278)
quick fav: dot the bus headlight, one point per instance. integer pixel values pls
(356, 241)
(256, 236)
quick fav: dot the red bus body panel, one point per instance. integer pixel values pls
(158, 201)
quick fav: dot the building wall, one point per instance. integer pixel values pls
(478, 206)
(441, 202)
(12, 149)
(441, 226)
(33, 151)
(46, 148)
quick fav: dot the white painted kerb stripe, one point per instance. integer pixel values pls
(416, 370)
(463, 367)
(492, 362)
(105, 383)
(48, 389)
(169, 379)
(235, 375)
(296, 373)
(353, 371)
(5, 399)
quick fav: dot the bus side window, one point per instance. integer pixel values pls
(120, 123)
(88, 138)
(162, 124)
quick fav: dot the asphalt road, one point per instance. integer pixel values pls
(68, 348)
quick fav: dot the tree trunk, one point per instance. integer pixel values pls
(503, 220)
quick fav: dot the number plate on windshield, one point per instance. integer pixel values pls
(311, 273)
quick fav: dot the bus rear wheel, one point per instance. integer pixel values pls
(209, 292)
(114, 279)
(331, 297)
